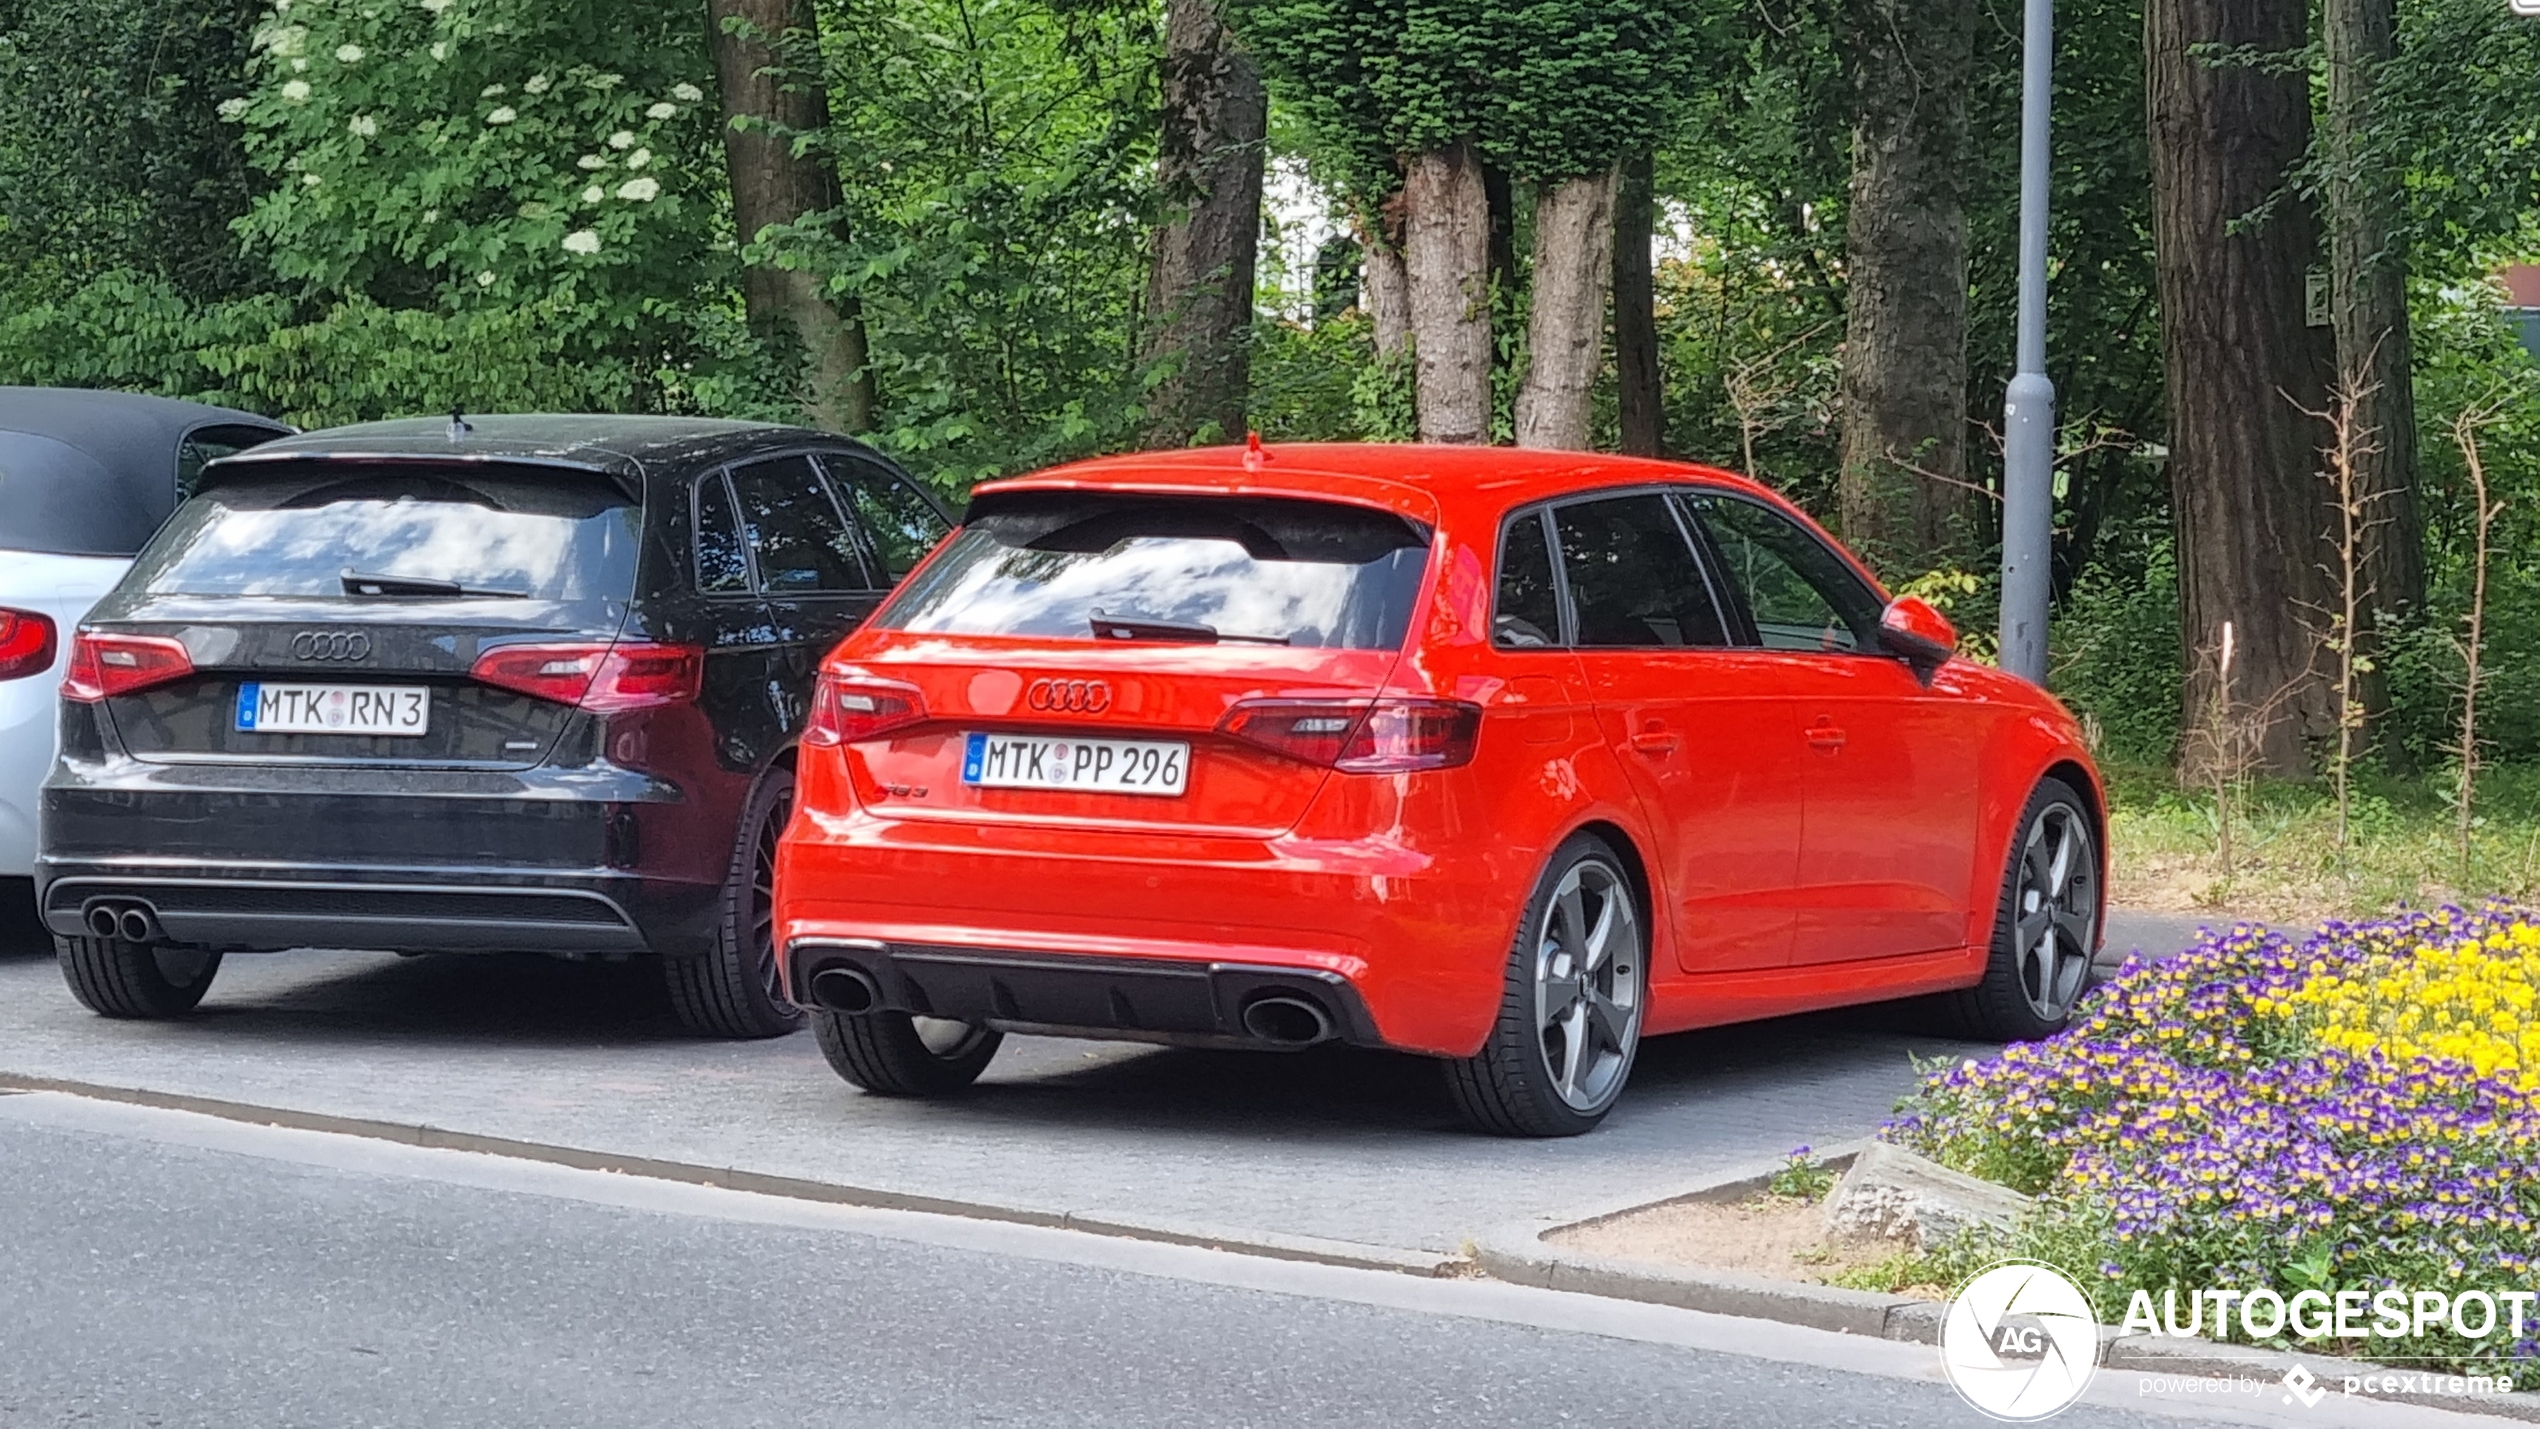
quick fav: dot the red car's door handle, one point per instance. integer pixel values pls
(1826, 737)
(1654, 738)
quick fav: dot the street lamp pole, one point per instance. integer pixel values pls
(2028, 409)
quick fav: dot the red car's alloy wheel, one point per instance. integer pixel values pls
(1587, 985)
(2058, 903)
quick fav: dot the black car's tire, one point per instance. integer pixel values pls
(2045, 924)
(1570, 1010)
(732, 989)
(890, 1054)
(119, 979)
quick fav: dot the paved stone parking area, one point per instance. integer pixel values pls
(1330, 1145)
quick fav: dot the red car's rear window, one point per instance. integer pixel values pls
(1088, 566)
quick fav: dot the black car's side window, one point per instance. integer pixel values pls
(723, 563)
(900, 526)
(1635, 582)
(1526, 612)
(1803, 596)
(794, 529)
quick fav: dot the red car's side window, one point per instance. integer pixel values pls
(1526, 612)
(1801, 595)
(1633, 578)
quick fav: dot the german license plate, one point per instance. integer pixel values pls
(333, 709)
(1110, 766)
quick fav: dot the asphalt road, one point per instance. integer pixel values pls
(168, 1269)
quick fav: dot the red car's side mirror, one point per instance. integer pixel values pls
(1918, 633)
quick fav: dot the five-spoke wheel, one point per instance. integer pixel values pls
(2047, 927)
(1570, 1013)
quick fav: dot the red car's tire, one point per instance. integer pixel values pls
(115, 978)
(1570, 1010)
(732, 989)
(2045, 924)
(888, 1054)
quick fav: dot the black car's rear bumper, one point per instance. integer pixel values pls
(236, 859)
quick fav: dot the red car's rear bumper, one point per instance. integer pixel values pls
(1138, 935)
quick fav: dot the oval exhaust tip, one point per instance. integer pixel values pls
(1288, 1021)
(103, 922)
(138, 926)
(848, 990)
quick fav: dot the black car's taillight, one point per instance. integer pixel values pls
(599, 676)
(104, 664)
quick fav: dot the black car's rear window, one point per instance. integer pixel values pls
(492, 531)
(1054, 565)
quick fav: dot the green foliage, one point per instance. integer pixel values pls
(1547, 89)
(2116, 658)
(1306, 380)
(1803, 1176)
(998, 172)
(2458, 108)
(111, 154)
(488, 153)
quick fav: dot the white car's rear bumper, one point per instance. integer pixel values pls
(62, 587)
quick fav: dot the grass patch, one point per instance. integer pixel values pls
(2402, 845)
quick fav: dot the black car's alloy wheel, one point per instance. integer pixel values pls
(143, 980)
(734, 989)
(1570, 1012)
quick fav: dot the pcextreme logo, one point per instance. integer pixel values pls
(2019, 1341)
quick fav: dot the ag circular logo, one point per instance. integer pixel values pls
(2019, 1341)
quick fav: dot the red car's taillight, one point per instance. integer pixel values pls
(103, 665)
(845, 711)
(26, 643)
(602, 678)
(1361, 736)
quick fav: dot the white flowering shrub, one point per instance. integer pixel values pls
(486, 148)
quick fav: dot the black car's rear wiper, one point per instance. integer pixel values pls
(1108, 628)
(365, 583)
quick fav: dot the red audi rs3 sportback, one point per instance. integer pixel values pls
(1507, 758)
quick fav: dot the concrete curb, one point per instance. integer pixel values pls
(1518, 1253)
(1127, 1225)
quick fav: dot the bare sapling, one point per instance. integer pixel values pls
(2465, 429)
(2223, 748)
(2351, 447)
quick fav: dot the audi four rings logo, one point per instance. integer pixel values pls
(1068, 696)
(330, 645)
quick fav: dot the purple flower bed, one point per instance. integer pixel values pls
(2191, 1130)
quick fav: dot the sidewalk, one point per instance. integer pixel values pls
(1335, 1146)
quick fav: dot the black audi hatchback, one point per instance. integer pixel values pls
(497, 683)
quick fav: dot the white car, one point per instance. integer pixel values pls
(85, 478)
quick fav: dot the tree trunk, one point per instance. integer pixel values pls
(764, 108)
(2246, 500)
(1388, 299)
(1640, 397)
(1388, 279)
(1565, 331)
(2369, 278)
(1905, 345)
(1446, 253)
(1199, 299)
